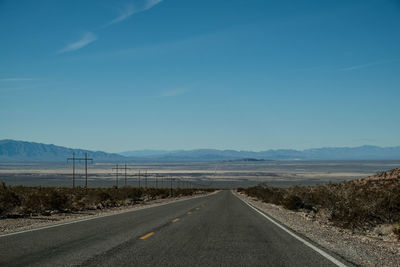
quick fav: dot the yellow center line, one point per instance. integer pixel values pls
(197, 208)
(175, 220)
(189, 213)
(146, 236)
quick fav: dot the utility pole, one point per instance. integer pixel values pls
(86, 159)
(145, 179)
(170, 179)
(116, 175)
(73, 169)
(125, 175)
(116, 178)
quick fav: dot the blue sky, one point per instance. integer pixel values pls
(178, 74)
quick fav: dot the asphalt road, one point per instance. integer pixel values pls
(216, 230)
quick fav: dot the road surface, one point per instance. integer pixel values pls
(216, 230)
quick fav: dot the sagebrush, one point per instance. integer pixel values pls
(23, 200)
(361, 204)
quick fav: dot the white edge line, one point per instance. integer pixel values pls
(305, 242)
(102, 216)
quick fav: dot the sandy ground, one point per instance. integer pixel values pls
(378, 248)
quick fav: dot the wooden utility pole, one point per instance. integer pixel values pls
(73, 169)
(170, 186)
(125, 176)
(73, 159)
(116, 175)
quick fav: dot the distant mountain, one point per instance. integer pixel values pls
(330, 153)
(20, 151)
(146, 153)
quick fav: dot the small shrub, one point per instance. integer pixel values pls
(57, 201)
(8, 200)
(396, 231)
(292, 202)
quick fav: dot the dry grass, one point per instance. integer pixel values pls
(17, 201)
(360, 204)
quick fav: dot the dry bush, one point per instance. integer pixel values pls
(23, 201)
(361, 204)
(8, 200)
(292, 202)
(396, 231)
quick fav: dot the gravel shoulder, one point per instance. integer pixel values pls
(356, 247)
(12, 225)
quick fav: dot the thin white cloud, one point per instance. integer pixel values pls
(174, 92)
(129, 10)
(86, 39)
(362, 66)
(15, 79)
(15, 89)
(357, 67)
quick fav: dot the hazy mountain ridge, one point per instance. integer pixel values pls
(20, 151)
(334, 153)
(146, 152)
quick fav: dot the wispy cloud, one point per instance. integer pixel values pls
(130, 9)
(174, 92)
(16, 89)
(86, 39)
(15, 79)
(363, 66)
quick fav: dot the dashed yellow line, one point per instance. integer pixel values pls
(147, 236)
(189, 212)
(175, 220)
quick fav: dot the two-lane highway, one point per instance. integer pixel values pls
(218, 229)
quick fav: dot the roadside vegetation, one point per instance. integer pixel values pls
(22, 201)
(360, 204)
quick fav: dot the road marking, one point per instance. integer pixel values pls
(197, 208)
(175, 220)
(305, 242)
(147, 236)
(189, 212)
(102, 216)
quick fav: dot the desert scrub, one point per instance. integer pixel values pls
(361, 204)
(396, 231)
(17, 201)
(8, 200)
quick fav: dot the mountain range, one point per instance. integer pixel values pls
(21, 151)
